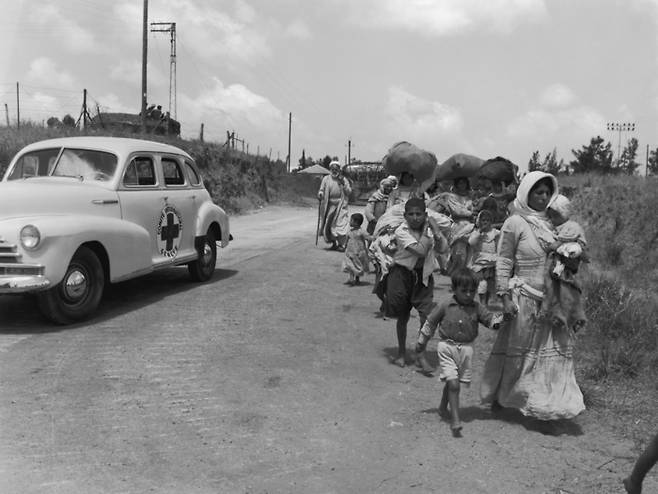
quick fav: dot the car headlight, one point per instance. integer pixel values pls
(30, 237)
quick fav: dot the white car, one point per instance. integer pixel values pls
(78, 212)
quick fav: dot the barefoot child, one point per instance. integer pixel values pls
(355, 262)
(648, 458)
(409, 283)
(458, 318)
(483, 240)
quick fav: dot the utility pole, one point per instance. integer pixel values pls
(289, 132)
(172, 61)
(7, 114)
(84, 114)
(620, 127)
(18, 109)
(144, 55)
(646, 166)
(349, 151)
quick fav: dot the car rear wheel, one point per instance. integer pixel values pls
(203, 268)
(77, 296)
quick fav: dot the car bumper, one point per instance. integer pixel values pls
(19, 278)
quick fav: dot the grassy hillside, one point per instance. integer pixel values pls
(237, 181)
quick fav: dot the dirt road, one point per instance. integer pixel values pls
(274, 377)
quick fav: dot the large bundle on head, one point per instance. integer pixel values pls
(458, 166)
(499, 169)
(406, 157)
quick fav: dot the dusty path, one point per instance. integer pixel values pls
(272, 378)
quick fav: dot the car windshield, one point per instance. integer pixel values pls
(86, 164)
(34, 164)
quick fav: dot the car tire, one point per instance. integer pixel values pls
(203, 268)
(77, 296)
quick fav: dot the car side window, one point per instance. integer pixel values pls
(192, 174)
(173, 174)
(140, 171)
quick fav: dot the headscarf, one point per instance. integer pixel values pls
(562, 205)
(394, 180)
(334, 165)
(537, 219)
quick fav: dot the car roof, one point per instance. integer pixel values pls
(119, 145)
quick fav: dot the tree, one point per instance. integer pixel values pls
(595, 157)
(533, 164)
(627, 163)
(68, 121)
(302, 160)
(551, 165)
(53, 122)
(653, 162)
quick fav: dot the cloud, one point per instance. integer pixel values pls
(233, 106)
(446, 17)
(73, 36)
(44, 71)
(557, 96)
(298, 29)
(419, 116)
(557, 114)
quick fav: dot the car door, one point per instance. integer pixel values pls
(182, 204)
(144, 202)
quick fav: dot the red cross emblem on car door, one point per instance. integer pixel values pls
(170, 229)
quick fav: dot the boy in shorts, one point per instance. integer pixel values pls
(458, 317)
(409, 283)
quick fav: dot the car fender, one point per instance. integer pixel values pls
(209, 213)
(128, 246)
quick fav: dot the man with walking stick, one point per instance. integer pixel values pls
(333, 217)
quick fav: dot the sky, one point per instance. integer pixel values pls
(482, 77)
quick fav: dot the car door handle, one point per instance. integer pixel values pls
(105, 201)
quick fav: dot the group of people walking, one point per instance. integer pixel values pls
(526, 257)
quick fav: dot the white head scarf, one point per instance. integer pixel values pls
(537, 219)
(562, 205)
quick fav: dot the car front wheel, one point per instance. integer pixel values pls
(77, 296)
(203, 268)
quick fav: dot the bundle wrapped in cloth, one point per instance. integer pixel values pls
(406, 157)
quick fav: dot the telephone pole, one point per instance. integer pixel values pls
(289, 132)
(144, 55)
(171, 29)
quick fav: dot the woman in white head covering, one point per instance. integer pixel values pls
(531, 363)
(378, 203)
(334, 198)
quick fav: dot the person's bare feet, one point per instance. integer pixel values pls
(456, 429)
(425, 368)
(630, 486)
(400, 361)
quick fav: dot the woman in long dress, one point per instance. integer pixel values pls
(334, 197)
(531, 364)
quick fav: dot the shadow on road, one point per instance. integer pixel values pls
(20, 315)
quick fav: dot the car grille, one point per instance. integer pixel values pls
(10, 262)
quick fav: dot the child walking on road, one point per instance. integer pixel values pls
(355, 262)
(458, 318)
(409, 283)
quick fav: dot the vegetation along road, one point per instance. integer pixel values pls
(274, 377)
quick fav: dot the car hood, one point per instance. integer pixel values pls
(49, 196)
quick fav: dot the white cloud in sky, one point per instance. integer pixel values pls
(557, 96)
(557, 113)
(73, 36)
(445, 17)
(298, 29)
(44, 71)
(233, 105)
(419, 116)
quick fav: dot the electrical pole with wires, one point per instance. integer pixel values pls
(171, 29)
(144, 56)
(620, 127)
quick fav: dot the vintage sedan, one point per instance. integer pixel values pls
(78, 212)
